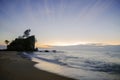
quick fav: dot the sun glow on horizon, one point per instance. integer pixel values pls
(67, 43)
(49, 45)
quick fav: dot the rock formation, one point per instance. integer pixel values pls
(22, 44)
(27, 44)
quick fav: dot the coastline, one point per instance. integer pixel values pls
(15, 67)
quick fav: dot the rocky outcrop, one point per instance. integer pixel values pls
(22, 44)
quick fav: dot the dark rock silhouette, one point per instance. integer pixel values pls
(46, 51)
(25, 43)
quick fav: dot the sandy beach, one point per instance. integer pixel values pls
(15, 67)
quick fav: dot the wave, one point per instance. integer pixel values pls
(90, 65)
(77, 62)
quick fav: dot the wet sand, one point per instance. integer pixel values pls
(15, 67)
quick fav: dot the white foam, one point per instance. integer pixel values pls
(75, 65)
(78, 74)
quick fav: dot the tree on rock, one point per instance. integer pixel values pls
(6, 42)
(27, 33)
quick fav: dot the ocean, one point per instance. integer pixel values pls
(82, 62)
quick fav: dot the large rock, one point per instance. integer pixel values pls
(27, 44)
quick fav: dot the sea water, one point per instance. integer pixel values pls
(98, 63)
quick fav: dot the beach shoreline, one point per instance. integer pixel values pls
(15, 67)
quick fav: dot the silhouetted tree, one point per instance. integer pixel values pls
(6, 42)
(26, 33)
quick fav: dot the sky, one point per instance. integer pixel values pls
(61, 22)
